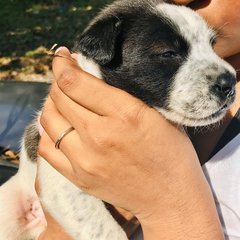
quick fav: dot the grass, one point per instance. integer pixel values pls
(29, 27)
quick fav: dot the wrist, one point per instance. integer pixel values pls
(188, 212)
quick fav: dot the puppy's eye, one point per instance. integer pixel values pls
(168, 54)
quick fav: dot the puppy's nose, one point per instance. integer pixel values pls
(225, 85)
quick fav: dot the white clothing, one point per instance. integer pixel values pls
(223, 174)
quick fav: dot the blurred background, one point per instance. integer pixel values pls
(29, 27)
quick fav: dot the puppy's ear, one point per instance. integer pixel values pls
(99, 40)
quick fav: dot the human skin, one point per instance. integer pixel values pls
(105, 132)
(110, 159)
(223, 15)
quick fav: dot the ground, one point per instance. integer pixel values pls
(30, 27)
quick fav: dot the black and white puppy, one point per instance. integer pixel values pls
(160, 53)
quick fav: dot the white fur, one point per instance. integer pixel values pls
(89, 66)
(19, 203)
(191, 83)
(81, 215)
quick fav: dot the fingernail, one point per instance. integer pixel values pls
(58, 50)
(40, 128)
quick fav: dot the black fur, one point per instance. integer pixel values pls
(137, 52)
(98, 42)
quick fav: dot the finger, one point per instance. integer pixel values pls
(54, 157)
(74, 56)
(55, 125)
(79, 117)
(69, 164)
(72, 152)
(87, 90)
(63, 52)
(73, 145)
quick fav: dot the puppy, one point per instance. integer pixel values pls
(160, 53)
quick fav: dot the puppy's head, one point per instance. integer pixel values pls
(162, 54)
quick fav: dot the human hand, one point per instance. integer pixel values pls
(223, 16)
(102, 123)
(121, 151)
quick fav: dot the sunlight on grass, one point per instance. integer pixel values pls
(36, 52)
(18, 32)
(35, 65)
(30, 27)
(36, 8)
(5, 61)
(84, 8)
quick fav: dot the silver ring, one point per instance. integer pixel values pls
(60, 138)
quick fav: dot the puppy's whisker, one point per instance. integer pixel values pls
(228, 36)
(222, 26)
(221, 35)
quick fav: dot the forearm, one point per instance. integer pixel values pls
(199, 227)
(188, 214)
